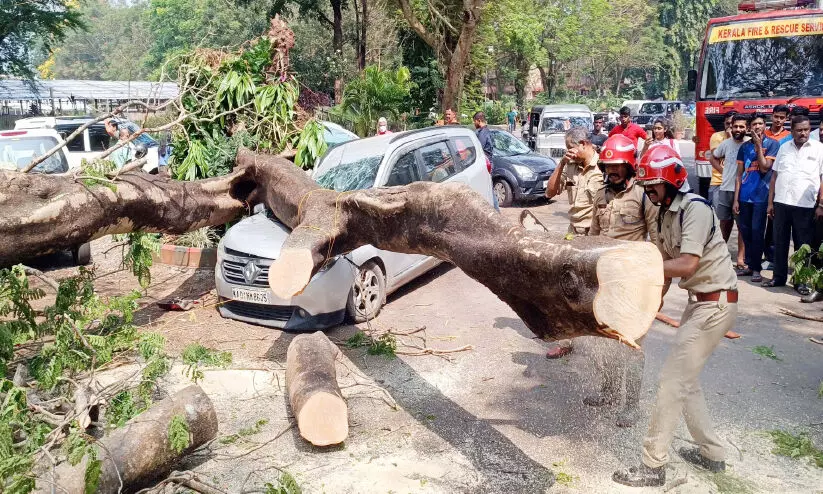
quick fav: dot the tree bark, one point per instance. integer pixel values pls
(363, 48)
(560, 288)
(455, 59)
(315, 398)
(337, 44)
(140, 451)
(40, 213)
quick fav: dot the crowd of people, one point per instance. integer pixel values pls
(766, 182)
(762, 173)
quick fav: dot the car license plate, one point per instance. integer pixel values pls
(253, 296)
(545, 183)
(558, 153)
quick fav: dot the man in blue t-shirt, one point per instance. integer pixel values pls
(751, 194)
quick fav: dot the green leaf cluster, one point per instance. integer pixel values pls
(245, 432)
(376, 93)
(805, 264)
(179, 435)
(286, 484)
(196, 356)
(138, 255)
(796, 446)
(385, 344)
(238, 100)
(87, 331)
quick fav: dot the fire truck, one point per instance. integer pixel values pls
(771, 53)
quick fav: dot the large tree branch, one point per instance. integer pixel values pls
(47, 213)
(418, 27)
(560, 288)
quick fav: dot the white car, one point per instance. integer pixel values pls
(438, 154)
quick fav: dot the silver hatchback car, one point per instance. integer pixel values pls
(355, 284)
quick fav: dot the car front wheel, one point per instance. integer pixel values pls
(367, 294)
(504, 193)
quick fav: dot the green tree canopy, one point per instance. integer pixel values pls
(30, 29)
(376, 93)
(112, 48)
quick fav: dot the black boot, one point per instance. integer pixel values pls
(815, 296)
(693, 456)
(641, 476)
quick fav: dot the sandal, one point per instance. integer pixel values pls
(757, 278)
(772, 284)
(803, 290)
(744, 272)
(558, 351)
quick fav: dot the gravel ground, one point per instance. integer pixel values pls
(496, 418)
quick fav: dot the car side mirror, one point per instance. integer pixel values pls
(692, 80)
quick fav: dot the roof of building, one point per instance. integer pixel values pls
(14, 89)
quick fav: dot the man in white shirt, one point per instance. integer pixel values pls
(795, 196)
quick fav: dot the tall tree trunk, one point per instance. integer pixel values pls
(619, 82)
(521, 80)
(560, 288)
(455, 59)
(337, 44)
(456, 69)
(363, 48)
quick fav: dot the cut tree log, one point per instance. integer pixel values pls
(560, 288)
(140, 452)
(315, 398)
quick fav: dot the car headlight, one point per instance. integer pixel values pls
(525, 172)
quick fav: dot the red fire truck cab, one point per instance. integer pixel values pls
(756, 60)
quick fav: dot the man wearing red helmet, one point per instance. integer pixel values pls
(621, 211)
(694, 251)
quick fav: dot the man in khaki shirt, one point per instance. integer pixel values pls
(694, 251)
(621, 211)
(577, 172)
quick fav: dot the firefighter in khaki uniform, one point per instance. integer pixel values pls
(621, 211)
(577, 172)
(694, 251)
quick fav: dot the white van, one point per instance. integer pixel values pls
(555, 120)
(88, 145)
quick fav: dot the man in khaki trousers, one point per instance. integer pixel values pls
(694, 251)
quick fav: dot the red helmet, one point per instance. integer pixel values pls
(660, 165)
(618, 149)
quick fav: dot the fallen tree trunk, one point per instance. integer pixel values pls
(560, 288)
(140, 451)
(315, 398)
(40, 213)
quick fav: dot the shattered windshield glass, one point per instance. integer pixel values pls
(348, 168)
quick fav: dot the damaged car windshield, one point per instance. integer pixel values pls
(348, 168)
